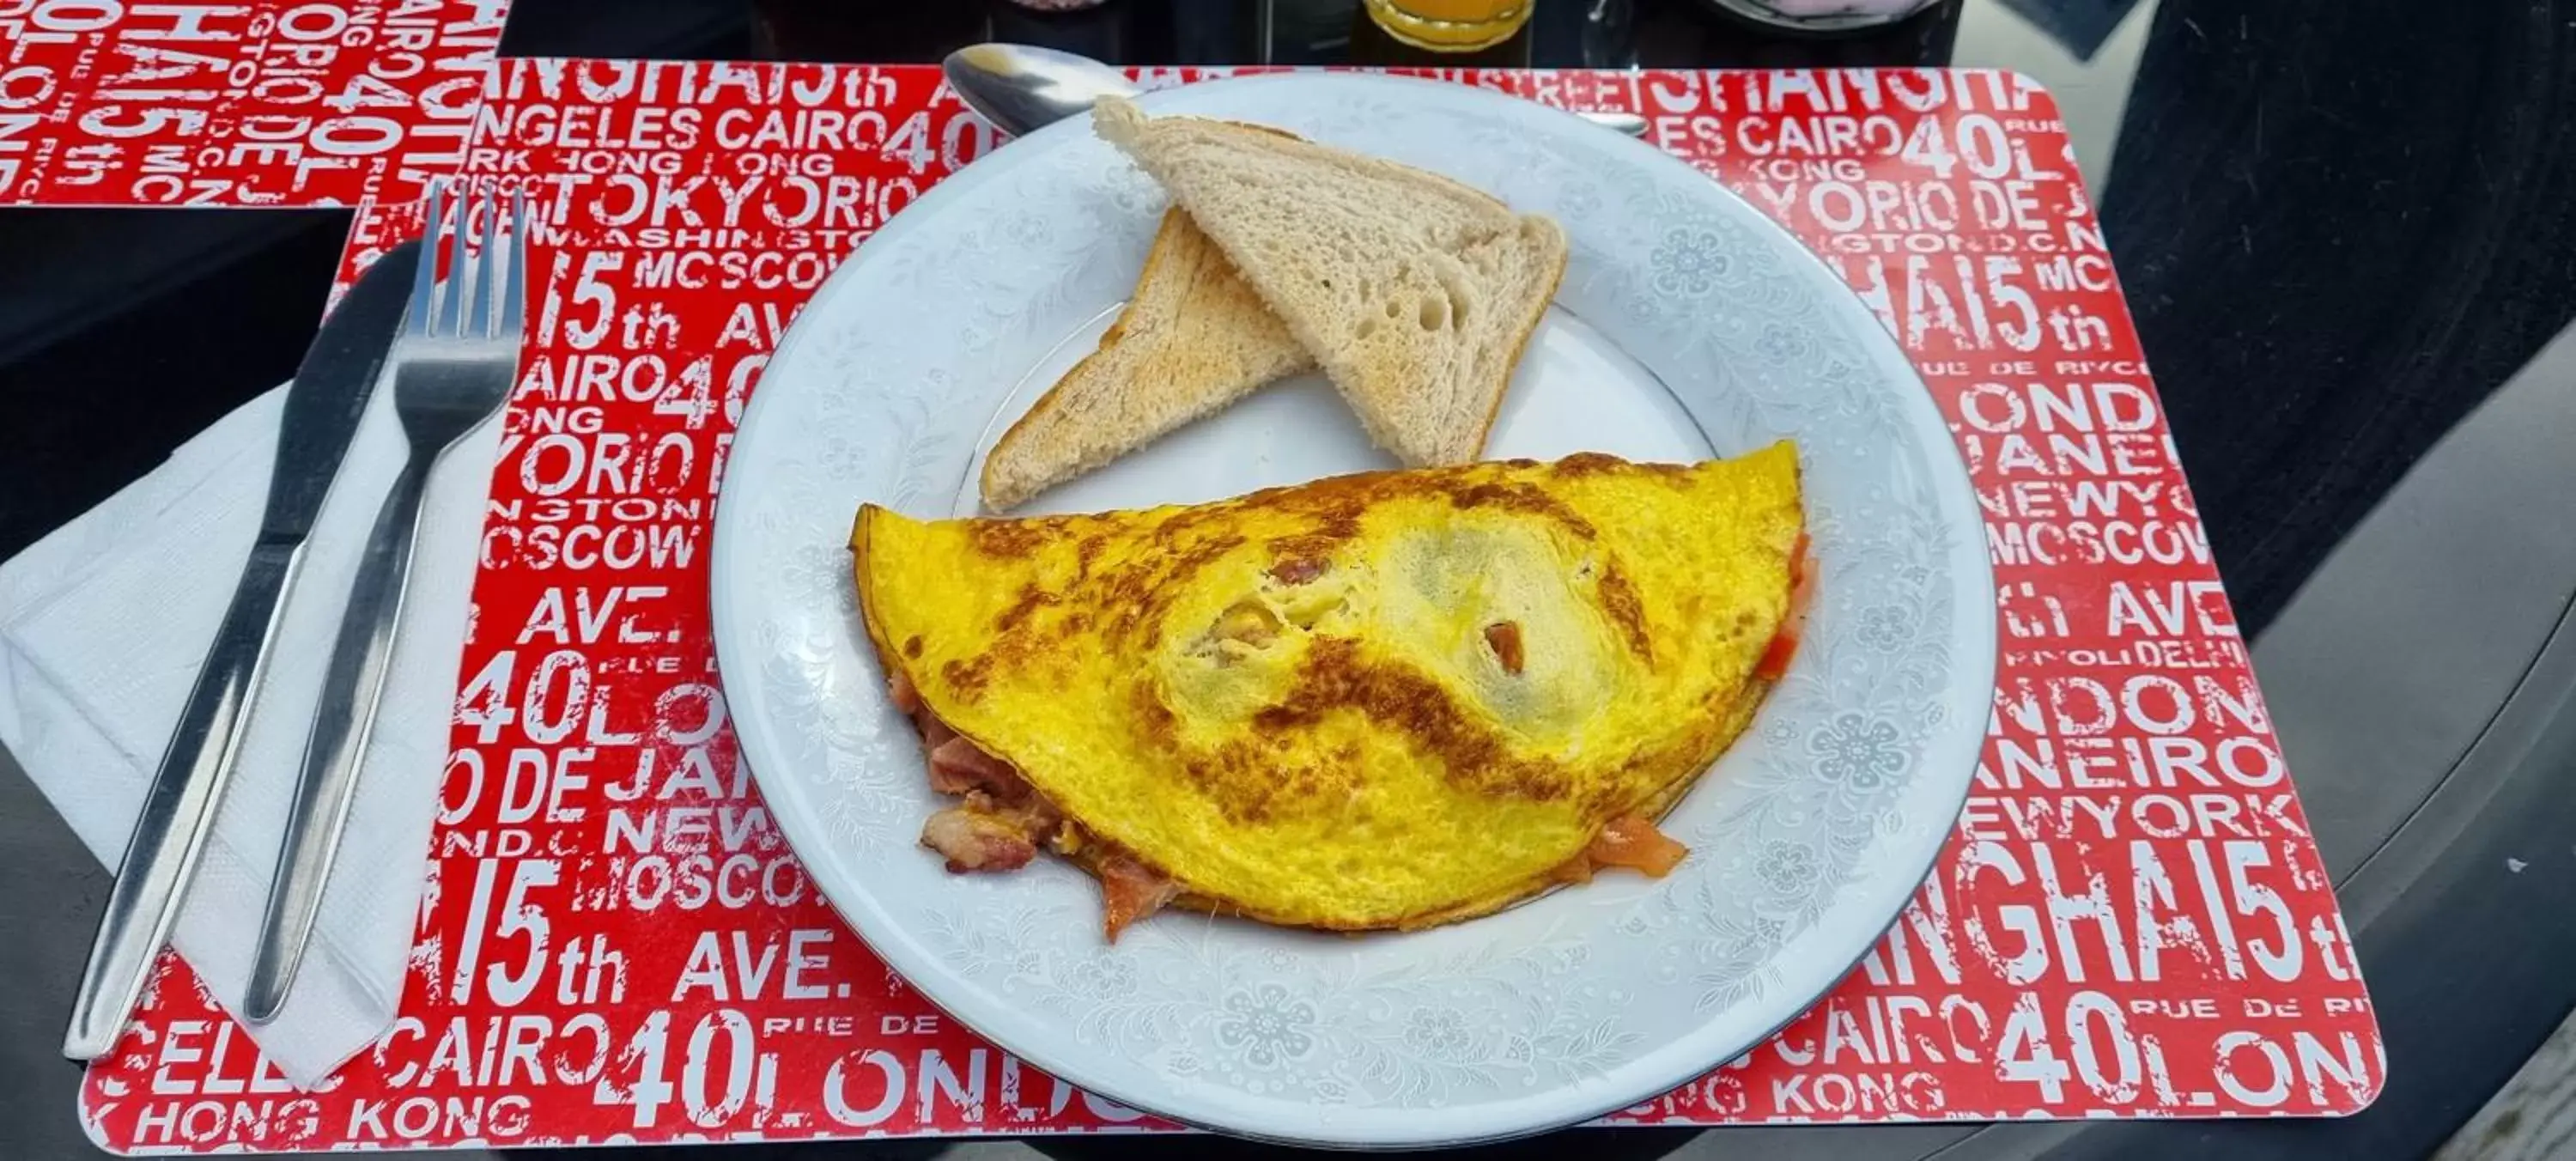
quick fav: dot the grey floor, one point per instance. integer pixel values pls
(41, 964)
(2534, 1118)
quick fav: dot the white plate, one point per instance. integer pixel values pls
(1687, 324)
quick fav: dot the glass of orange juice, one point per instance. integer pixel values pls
(1450, 25)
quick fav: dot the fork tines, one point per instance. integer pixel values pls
(495, 268)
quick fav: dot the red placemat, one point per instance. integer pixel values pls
(252, 103)
(617, 945)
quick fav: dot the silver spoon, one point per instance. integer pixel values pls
(1019, 87)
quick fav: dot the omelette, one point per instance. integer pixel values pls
(1388, 700)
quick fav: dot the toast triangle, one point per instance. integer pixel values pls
(1414, 292)
(1192, 339)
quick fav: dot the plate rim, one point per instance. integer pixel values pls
(1951, 469)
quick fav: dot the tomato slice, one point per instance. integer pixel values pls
(1784, 644)
(1632, 841)
(1777, 656)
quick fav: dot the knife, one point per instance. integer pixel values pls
(330, 392)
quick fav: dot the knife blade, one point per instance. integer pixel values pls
(345, 356)
(320, 418)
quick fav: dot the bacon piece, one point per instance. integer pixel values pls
(1132, 891)
(934, 732)
(1297, 570)
(976, 840)
(958, 765)
(1632, 841)
(1034, 815)
(1003, 819)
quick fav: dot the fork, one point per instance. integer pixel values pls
(454, 362)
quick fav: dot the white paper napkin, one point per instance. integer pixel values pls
(103, 626)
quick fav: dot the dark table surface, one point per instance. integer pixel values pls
(2347, 231)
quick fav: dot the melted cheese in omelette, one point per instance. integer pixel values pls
(1384, 700)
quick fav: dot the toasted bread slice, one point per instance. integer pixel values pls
(1414, 292)
(1192, 339)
